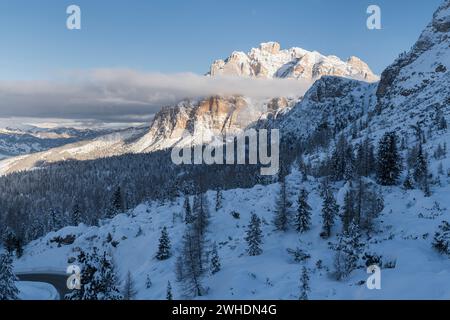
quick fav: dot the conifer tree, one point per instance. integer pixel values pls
(329, 211)
(304, 284)
(348, 251)
(98, 278)
(389, 162)
(303, 216)
(215, 260)
(117, 201)
(164, 246)
(8, 289)
(148, 282)
(188, 217)
(169, 295)
(348, 210)
(254, 236)
(219, 199)
(441, 240)
(281, 215)
(129, 291)
(76, 215)
(421, 171)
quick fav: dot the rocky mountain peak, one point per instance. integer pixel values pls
(269, 61)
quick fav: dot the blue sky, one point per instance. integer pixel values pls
(177, 36)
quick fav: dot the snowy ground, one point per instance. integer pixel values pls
(404, 234)
(36, 291)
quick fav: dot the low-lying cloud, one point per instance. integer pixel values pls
(127, 95)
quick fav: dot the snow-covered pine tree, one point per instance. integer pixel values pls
(164, 246)
(254, 236)
(441, 240)
(342, 159)
(98, 278)
(303, 217)
(281, 212)
(148, 282)
(219, 199)
(348, 251)
(389, 162)
(330, 209)
(188, 216)
(408, 184)
(117, 202)
(215, 260)
(365, 158)
(169, 295)
(348, 210)
(107, 283)
(9, 240)
(129, 291)
(76, 215)
(8, 289)
(421, 171)
(304, 284)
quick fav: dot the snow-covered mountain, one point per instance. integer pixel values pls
(269, 61)
(194, 122)
(21, 141)
(413, 92)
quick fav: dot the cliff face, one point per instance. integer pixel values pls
(269, 61)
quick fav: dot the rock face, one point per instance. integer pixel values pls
(423, 72)
(269, 61)
(413, 91)
(193, 122)
(333, 102)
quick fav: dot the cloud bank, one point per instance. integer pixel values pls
(126, 95)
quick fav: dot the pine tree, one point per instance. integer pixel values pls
(348, 210)
(215, 260)
(421, 171)
(8, 289)
(303, 216)
(201, 213)
(441, 240)
(148, 282)
(348, 251)
(389, 162)
(169, 295)
(76, 215)
(281, 216)
(117, 202)
(9, 240)
(98, 278)
(408, 184)
(19, 247)
(189, 267)
(164, 246)
(188, 217)
(219, 199)
(106, 280)
(329, 211)
(129, 291)
(254, 236)
(304, 284)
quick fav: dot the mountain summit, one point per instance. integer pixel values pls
(270, 61)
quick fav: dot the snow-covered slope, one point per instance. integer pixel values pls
(14, 142)
(269, 61)
(403, 238)
(116, 143)
(331, 100)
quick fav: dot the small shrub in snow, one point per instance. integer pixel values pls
(441, 240)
